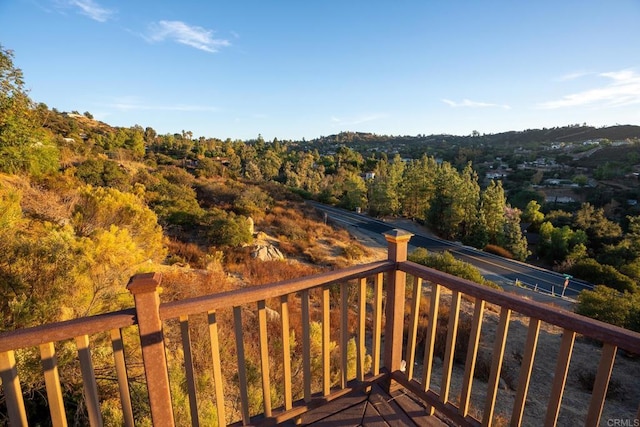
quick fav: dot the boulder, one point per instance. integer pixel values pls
(267, 253)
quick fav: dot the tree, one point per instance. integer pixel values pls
(600, 230)
(37, 272)
(512, 238)
(110, 257)
(99, 208)
(532, 214)
(103, 173)
(383, 190)
(453, 206)
(493, 206)
(418, 187)
(269, 164)
(354, 192)
(24, 145)
(556, 243)
(468, 199)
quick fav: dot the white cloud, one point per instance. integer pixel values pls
(92, 9)
(131, 104)
(473, 104)
(623, 88)
(572, 76)
(356, 120)
(194, 36)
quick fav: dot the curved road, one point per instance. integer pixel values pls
(495, 268)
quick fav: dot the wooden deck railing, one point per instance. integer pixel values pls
(374, 306)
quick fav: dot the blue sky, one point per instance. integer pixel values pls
(294, 69)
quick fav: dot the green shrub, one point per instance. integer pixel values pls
(447, 263)
(602, 274)
(227, 229)
(353, 251)
(610, 306)
(103, 173)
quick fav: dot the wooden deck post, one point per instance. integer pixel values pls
(398, 241)
(144, 288)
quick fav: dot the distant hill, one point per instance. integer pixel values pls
(524, 137)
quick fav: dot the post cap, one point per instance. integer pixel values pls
(144, 282)
(397, 235)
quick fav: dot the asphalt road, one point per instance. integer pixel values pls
(500, 270)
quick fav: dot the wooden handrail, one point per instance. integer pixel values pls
(254, 294)
(66, 330)
(620, 337)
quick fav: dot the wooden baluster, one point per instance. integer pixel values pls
(189, 371)
(410, 356)
(472, 353)
(242, 367)
(603, 375)
(496, 365)
(344, 333)
(377, 322)
(326, 342)
(560, 378)
(123, 380)
(89, 384)
(431, 336)
(306, 345)
(452, 333)
(264, 357)
(286, 352)
(52, 383)
(362, 311)
(525, 371)
(12, 389)
(217, 367)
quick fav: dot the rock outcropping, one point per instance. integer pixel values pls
(267, 253)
